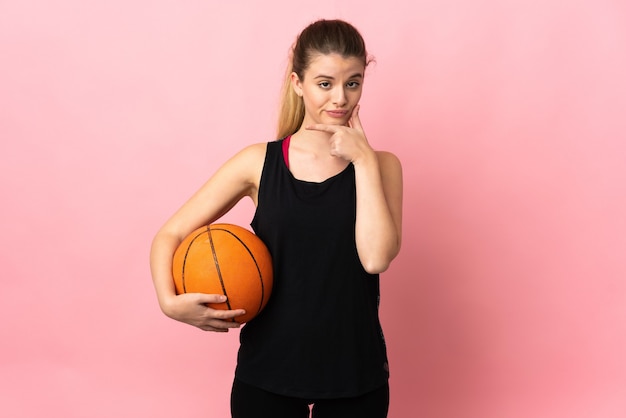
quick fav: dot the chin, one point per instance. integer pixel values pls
(338, 122)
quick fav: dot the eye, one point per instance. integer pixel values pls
(324, 84)
(353, 84)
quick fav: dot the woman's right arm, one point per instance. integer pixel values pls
(237, 178)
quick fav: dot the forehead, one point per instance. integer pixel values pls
(335, 65)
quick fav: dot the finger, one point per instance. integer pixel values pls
(324, 128)
(219, 324)
(225, 315)
(355, 121)
(204, 298)
(213, 329)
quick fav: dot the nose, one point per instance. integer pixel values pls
(339, 96)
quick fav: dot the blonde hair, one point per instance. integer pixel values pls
(320, 37)
(291, 112)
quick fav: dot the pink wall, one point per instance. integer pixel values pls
(508, 298)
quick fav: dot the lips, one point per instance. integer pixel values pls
(337, 113)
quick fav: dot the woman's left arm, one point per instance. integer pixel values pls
(378, 231)
(378, 174)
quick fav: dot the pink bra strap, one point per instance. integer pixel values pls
(286, 150)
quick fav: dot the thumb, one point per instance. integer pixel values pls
(355, 122)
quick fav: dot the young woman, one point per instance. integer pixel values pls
(329, 208)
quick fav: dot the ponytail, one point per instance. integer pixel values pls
(291, 109)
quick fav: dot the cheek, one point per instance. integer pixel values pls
(356, 95)
(310, 106)
(313, 98)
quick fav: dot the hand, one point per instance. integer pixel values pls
(348, 142)
(193, 309)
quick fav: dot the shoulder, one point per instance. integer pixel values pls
(246, 165)
(390, 171)
(250, 157)
(388, 161)
(254, 151)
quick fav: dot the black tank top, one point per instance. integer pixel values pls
(319, 335)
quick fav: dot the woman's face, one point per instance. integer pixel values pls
(330, 88)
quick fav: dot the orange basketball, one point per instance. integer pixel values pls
(229, 260)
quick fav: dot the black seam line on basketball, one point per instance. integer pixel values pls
(217, 267)
(255, 264)
(185, 258)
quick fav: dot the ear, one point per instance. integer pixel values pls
(296, 84)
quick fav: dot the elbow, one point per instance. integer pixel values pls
(379, 263)
(376, 261)
(375, 267)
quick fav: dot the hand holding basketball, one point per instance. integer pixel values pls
(194, 309)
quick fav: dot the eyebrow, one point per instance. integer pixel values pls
(355, 75)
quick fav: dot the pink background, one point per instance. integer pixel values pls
(508, 299)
